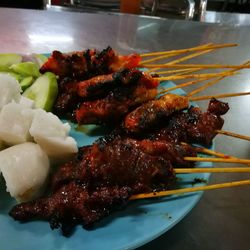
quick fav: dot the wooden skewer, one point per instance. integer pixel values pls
(183, 85)
(206, 97)
(190, 190)
(181, 51)
(158, 58)
(211, 75)
(210, 159)
(222, 132)
(214, 153)
(173, 71)
(185, 58)
(209, 84)
(201, 66)
(211, 170)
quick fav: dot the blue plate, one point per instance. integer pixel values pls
(141, 222)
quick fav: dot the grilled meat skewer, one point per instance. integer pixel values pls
(83, 65)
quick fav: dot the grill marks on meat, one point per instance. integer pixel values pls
(113, 107)
(100, 85)
(194, 126)
(151, 113)
(101, 182)
(113, 91)
(72, 204)
(103, 176)
(86, 64)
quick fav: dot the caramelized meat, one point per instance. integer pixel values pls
(114, 106)
(149, 114)
(102, 180)
(99, 85)
(73, 204)
(194, 126)
(83, 65)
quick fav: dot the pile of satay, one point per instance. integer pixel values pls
(152, 131)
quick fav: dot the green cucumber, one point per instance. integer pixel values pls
(26, 82)
(26, 69)
(5, 69)
(9, 59)
(43, 91)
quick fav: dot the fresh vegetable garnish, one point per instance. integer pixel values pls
(43, 91)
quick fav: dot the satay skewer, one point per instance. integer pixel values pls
(176, 61)
(206, 97)
(201, 66)
(211, 75)
(190, 190)
(209, 84)
(197, 48)
(224, 160)
(212, 170)
(228, 133)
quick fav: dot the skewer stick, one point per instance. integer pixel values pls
(201, 66)
(185, 58)
(206, 97)
(243, 137)
(183, 85)
(181, 51)
(187, 71)
(214, 153)
(210, 159)
(166, 72)
(158, 58)
(211, 75)
(211, 170)
(209, 84)
(190, 190)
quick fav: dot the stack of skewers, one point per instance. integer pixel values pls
(152, 137)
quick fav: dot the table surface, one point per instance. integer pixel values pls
(221, 219)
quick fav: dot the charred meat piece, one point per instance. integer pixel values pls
(83, 65)
(102, 180)
(173, 152)
(150, 114)
(217, 107)
(72, 204)
(112, 108)
(99, 85)
(104, 163)
(194, 126)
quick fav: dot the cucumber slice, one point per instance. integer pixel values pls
(9, 59)
(26, 69)
(43, 91)
(26, 82)
(5, 68)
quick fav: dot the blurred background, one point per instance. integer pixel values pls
(199, 10)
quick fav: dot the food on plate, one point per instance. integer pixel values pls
(52, 135)
(25, 168)
(83, 65)
(152, 112)
(102, 176)
(7, 60)
(10, 89)
(112, 108)
(26, 69)
(43, 91)
(15, 122)
(193, 126)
